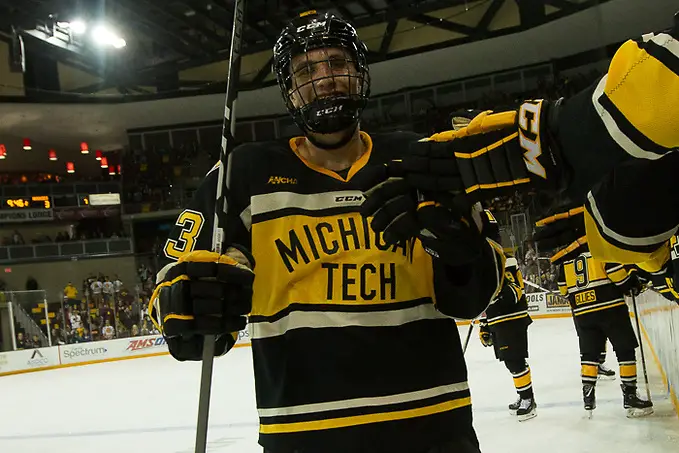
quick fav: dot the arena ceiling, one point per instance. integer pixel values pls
(176, 46)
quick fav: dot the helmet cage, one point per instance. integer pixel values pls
(322, 112)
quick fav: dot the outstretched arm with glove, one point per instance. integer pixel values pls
(574, 144)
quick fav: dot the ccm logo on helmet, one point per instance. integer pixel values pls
(329, 110)
(311, 26)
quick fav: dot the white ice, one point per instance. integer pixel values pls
(150, 405)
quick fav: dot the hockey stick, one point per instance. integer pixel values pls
(469, 335)
(641, 346)
(223, 184)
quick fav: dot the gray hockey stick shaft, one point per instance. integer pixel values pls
(221, 206)
(641, 346)
(469, 335)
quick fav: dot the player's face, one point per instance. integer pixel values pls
(321, 73)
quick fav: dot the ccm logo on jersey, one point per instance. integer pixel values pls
(313, 25)
(348, 198)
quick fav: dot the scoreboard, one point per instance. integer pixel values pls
(45, 202)
(37, 202)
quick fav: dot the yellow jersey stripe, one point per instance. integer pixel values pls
(343, 422)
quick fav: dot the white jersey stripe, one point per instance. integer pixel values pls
(614, 131)
(333, 319)
(270, 202)
(364, 402)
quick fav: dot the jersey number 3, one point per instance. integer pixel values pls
(190, 224)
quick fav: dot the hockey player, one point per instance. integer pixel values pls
(504, 326)
(351, 300)
(596, 293)
(565, 232)
(608, 147)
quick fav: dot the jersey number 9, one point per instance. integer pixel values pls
(580, 267)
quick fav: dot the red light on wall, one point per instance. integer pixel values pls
(98, 154)
(104, 162)
(27, 144)
(70, 167)
(52, 154)
(3, 151)
(84, 149)
(112, 170)
(119, 169)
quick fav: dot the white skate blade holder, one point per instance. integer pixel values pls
(636, 412)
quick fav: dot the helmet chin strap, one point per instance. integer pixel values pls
(346, 138)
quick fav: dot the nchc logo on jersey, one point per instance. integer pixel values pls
(281, 180)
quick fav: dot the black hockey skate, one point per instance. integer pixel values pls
(605, 374)
(634, 406)
(589, 398)
(515, 406)
(527, 409)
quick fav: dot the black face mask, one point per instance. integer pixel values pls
(338, 112)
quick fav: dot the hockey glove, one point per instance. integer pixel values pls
(562, 234)
(485, 335)
(495, 155)
(672, 280)
(201, 294)
(634, 286)
(447, 232)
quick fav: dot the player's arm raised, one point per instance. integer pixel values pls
(609, 147)
(199, 292)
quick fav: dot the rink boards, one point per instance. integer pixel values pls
(659, 324)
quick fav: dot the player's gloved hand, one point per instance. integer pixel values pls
(672, 279)
(484, 334)
(494, 155)
(634, 286)
(447, 231)
(203, 293)
(562, 233)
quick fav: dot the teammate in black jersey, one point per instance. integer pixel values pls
(504, 325)
(596, 292)
(351, 301)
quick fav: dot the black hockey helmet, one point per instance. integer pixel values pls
(329, 112)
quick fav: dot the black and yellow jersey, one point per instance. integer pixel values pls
(592, 285)
(354, 343)
(620, 142)
(511, 303)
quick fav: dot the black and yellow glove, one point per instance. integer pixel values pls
(494, 155)
(203, 293)
(485, 335)
(446, 231)
(562, 234)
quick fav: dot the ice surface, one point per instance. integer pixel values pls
(150, 405)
